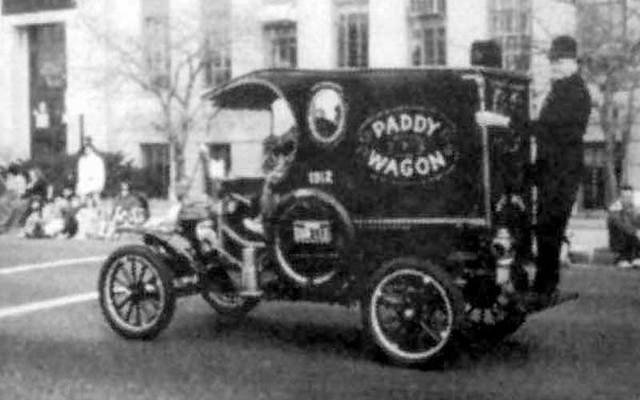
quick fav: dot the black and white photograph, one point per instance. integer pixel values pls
(319, 199)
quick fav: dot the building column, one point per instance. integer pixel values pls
(247, 52)
(18, 94)
(5, 101)
(388, 34)
(467, 21)
(317, 37)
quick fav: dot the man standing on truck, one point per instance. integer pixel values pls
(558, 130)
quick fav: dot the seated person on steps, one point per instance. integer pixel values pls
(623, 227)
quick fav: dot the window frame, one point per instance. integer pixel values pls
(428, 33)
(281, 44)
(426, 8)
(217, 70)
(515, 37)
(352, 17)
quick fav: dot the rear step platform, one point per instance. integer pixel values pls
(540, 304)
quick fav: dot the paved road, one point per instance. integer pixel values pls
(54, 344)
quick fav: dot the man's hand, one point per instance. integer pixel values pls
(278, 171)
(492, 119)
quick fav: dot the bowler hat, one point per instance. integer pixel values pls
(563, 47)
(486, 53)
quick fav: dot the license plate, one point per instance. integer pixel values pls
(312, 232)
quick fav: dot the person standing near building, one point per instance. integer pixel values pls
(15, 183)
(91, 174)
(37, 185)
(559, 131)
(41, 117)
(11, 200)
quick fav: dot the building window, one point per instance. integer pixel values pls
(23, 6)
(510, 26)
(595, 177)
(217, 67)
(429, 39)
(155, 39)
(281, 44)
(155, 164)
(427, 24)
(48, 88)
(217, 41)
(427, 7)
(353, 34)
(219, 166)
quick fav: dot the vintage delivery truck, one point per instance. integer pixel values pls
(384, 193)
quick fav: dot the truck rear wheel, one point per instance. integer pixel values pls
(412, 312)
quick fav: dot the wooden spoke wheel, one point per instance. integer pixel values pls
(136, 292)
(412, 311)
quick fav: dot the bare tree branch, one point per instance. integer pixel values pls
(174, 86)
(611, 64)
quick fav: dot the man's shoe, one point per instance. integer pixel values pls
(624, 264)
(534, 301)
(636, 263)
(537, 301)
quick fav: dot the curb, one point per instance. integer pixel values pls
(592, 257)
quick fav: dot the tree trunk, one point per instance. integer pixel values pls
(171, 139)
(608, 129)
(172, 169)
(626, 132)
(611, 179)
(179, 161)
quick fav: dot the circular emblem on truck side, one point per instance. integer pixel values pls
(327, 114)
(407, 145)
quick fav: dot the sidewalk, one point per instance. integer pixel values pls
(589, 241)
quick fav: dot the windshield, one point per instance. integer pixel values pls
(259, 140)
(279, 147)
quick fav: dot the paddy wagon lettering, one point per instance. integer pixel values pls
(407, 145)
(407, 167)
(404, 123)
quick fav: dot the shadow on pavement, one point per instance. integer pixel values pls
(333, 338)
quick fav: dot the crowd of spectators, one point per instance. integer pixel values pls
(37, 209)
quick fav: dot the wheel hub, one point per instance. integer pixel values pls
(137, 291)
(140, 291)
(409, 314)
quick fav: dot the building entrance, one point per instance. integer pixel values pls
(48, 84)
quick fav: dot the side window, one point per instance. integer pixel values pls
(280, 147)
(282, 119)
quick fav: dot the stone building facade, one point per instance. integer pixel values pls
(52, 55)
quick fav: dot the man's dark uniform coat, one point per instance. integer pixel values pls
(559, 134)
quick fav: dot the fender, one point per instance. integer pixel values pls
(156, 240)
